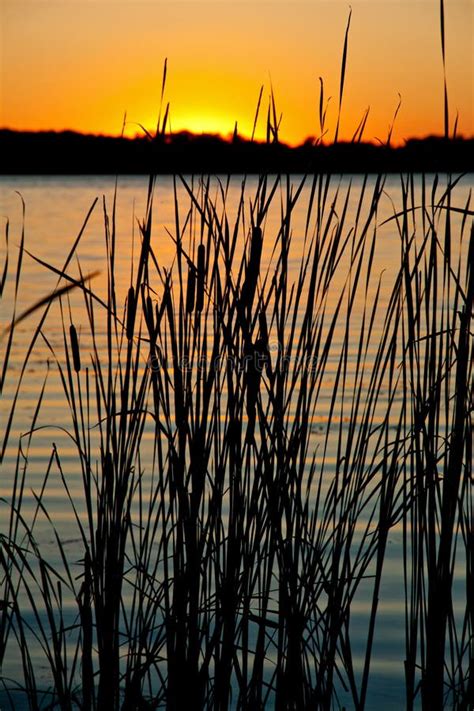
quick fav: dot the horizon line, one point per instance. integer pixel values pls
(230, 137)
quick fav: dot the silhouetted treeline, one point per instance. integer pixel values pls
(75, 153)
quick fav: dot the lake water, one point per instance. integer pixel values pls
(55, 210)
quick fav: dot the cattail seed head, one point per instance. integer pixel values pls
(76, 356)
(253, 267)
(262, 321)
(191, 290)
(201, 275)
(131, 309)
(149, 314)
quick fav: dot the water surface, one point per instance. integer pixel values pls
(55, 209)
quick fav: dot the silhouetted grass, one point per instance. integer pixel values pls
(438, 373)
(297, 417)
(233, 562)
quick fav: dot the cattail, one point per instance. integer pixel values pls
(256, 247)
(253, 267)
(148, 310)
(201, 274)
(167, 301)
(131, 308)
(191, 290)
(76, 356)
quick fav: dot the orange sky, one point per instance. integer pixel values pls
(79, 64)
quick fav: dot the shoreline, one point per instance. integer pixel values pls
(70, 153)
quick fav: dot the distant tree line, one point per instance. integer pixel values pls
(68, 152)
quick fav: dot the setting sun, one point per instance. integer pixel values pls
(237, 374)
(82, 65)
(202, 123)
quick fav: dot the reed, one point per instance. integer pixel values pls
(438, 378)
(233, 557)
(296, 416)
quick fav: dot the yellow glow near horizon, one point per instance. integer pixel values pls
(80, 64)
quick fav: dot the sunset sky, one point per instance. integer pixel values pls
(80, 64)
